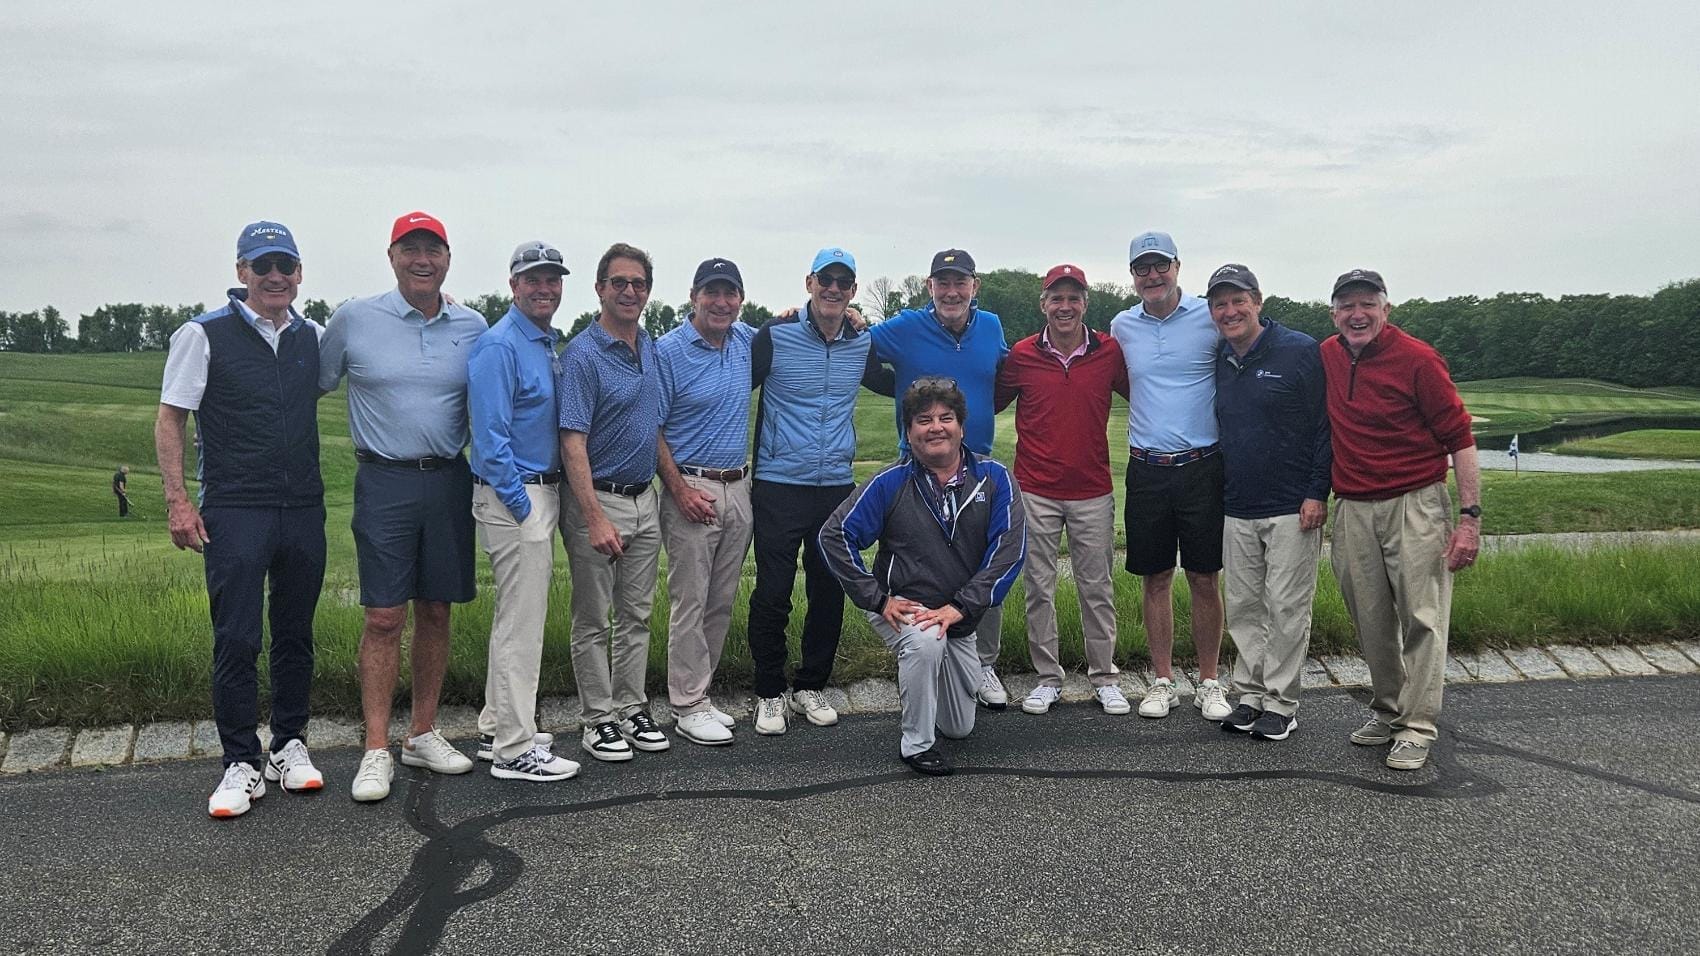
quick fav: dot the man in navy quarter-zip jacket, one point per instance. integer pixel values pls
(1276, 454)
(249, 371)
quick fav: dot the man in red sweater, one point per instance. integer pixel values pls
(1395, 416)
(1061, 380)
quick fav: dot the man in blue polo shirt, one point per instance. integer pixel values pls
(612, 409)
(516, 500)
(954, 338)
(1174, 471)
(1271, 404)
(405, 353)
(249, 371)
(705, 515)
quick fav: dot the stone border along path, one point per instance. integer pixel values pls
(48, 748)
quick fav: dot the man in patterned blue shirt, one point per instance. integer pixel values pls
(611, 409)
(705, 515)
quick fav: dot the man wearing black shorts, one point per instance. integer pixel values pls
(1174, 469)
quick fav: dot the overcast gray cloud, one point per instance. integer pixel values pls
(1461, 148)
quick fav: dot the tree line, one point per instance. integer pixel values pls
(1630, 339)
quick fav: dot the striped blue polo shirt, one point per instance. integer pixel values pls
(613, 395)
(706, 394)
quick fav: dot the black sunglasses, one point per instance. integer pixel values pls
(264, 265)
(828, 280)
(620, 283)
(1145, 270)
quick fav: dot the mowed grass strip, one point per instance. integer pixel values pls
(1671, 444)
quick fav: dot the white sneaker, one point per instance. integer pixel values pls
(991, 693)
(702, 728)
(1211, 700)
(1041, 699)
(1111, 698)
(770, 716)
(538, 763)
(293, 768)
(812, 704)
(1159, 699)
(372, 780)
(433, 751)
(722, 718)
(487, 744)
(241, 786)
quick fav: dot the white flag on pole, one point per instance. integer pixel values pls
(1512, 451)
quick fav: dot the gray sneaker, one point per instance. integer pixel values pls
(1374, 733)
(1407, 755)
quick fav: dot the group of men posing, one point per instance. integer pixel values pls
(1238, 431)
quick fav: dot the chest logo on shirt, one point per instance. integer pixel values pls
(1265, 373)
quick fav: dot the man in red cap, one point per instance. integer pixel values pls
(405, 355)
(1061, 380)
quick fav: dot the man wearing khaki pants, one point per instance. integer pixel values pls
(1061, 380)
(516, 476)
(1395, 416)
(1275, 459)
(705, 515)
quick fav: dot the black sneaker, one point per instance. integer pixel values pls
(1242, 718)
(1273, 726)
(640, 730)
(604, 742)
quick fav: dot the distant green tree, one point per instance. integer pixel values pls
(754, 315)
(659, 318)
(1013, 294)
(581, 323)
(492, 305)
(318, 310)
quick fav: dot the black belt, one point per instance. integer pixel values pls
(551, 478)
(418, 464)
(614, 488)
(715, 474)
(1172, 457)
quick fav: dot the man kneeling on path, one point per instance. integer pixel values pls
(952, 537)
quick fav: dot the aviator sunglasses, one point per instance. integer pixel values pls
(264, 265)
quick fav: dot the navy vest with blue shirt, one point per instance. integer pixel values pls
(258, 424)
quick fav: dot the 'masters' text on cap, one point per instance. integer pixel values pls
(259, 238)
(953, 260)
(1368, 277)
(418, 222)
(1234, 275)
(1153, 243)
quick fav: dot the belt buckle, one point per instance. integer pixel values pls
(1162, 459)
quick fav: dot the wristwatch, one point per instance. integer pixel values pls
(1471, 511)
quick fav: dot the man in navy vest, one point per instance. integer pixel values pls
(249, 370)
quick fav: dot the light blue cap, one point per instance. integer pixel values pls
(1148, 243)
(832, 255)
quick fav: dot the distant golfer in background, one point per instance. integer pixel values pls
(249, 371)
(121, 489)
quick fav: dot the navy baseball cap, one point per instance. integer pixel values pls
(831, 256)
(1149, 243)
(259, 238)
(953, 260)
(1232, 274)
(1368, 277)
(717, 269)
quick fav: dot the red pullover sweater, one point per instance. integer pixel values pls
(1395, 413)
(1062, 449)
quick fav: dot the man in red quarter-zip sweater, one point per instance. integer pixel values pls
(1395, 416)
(1061, 380)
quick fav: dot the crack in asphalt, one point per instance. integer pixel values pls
(432, 892)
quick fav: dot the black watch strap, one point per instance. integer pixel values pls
(1471, 511)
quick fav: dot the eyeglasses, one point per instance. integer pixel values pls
(621, 283)
(1161, 267)
(264, 265)
(827, 280)
(537, 255)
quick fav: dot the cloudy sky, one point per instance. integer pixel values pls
(1461, 148)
